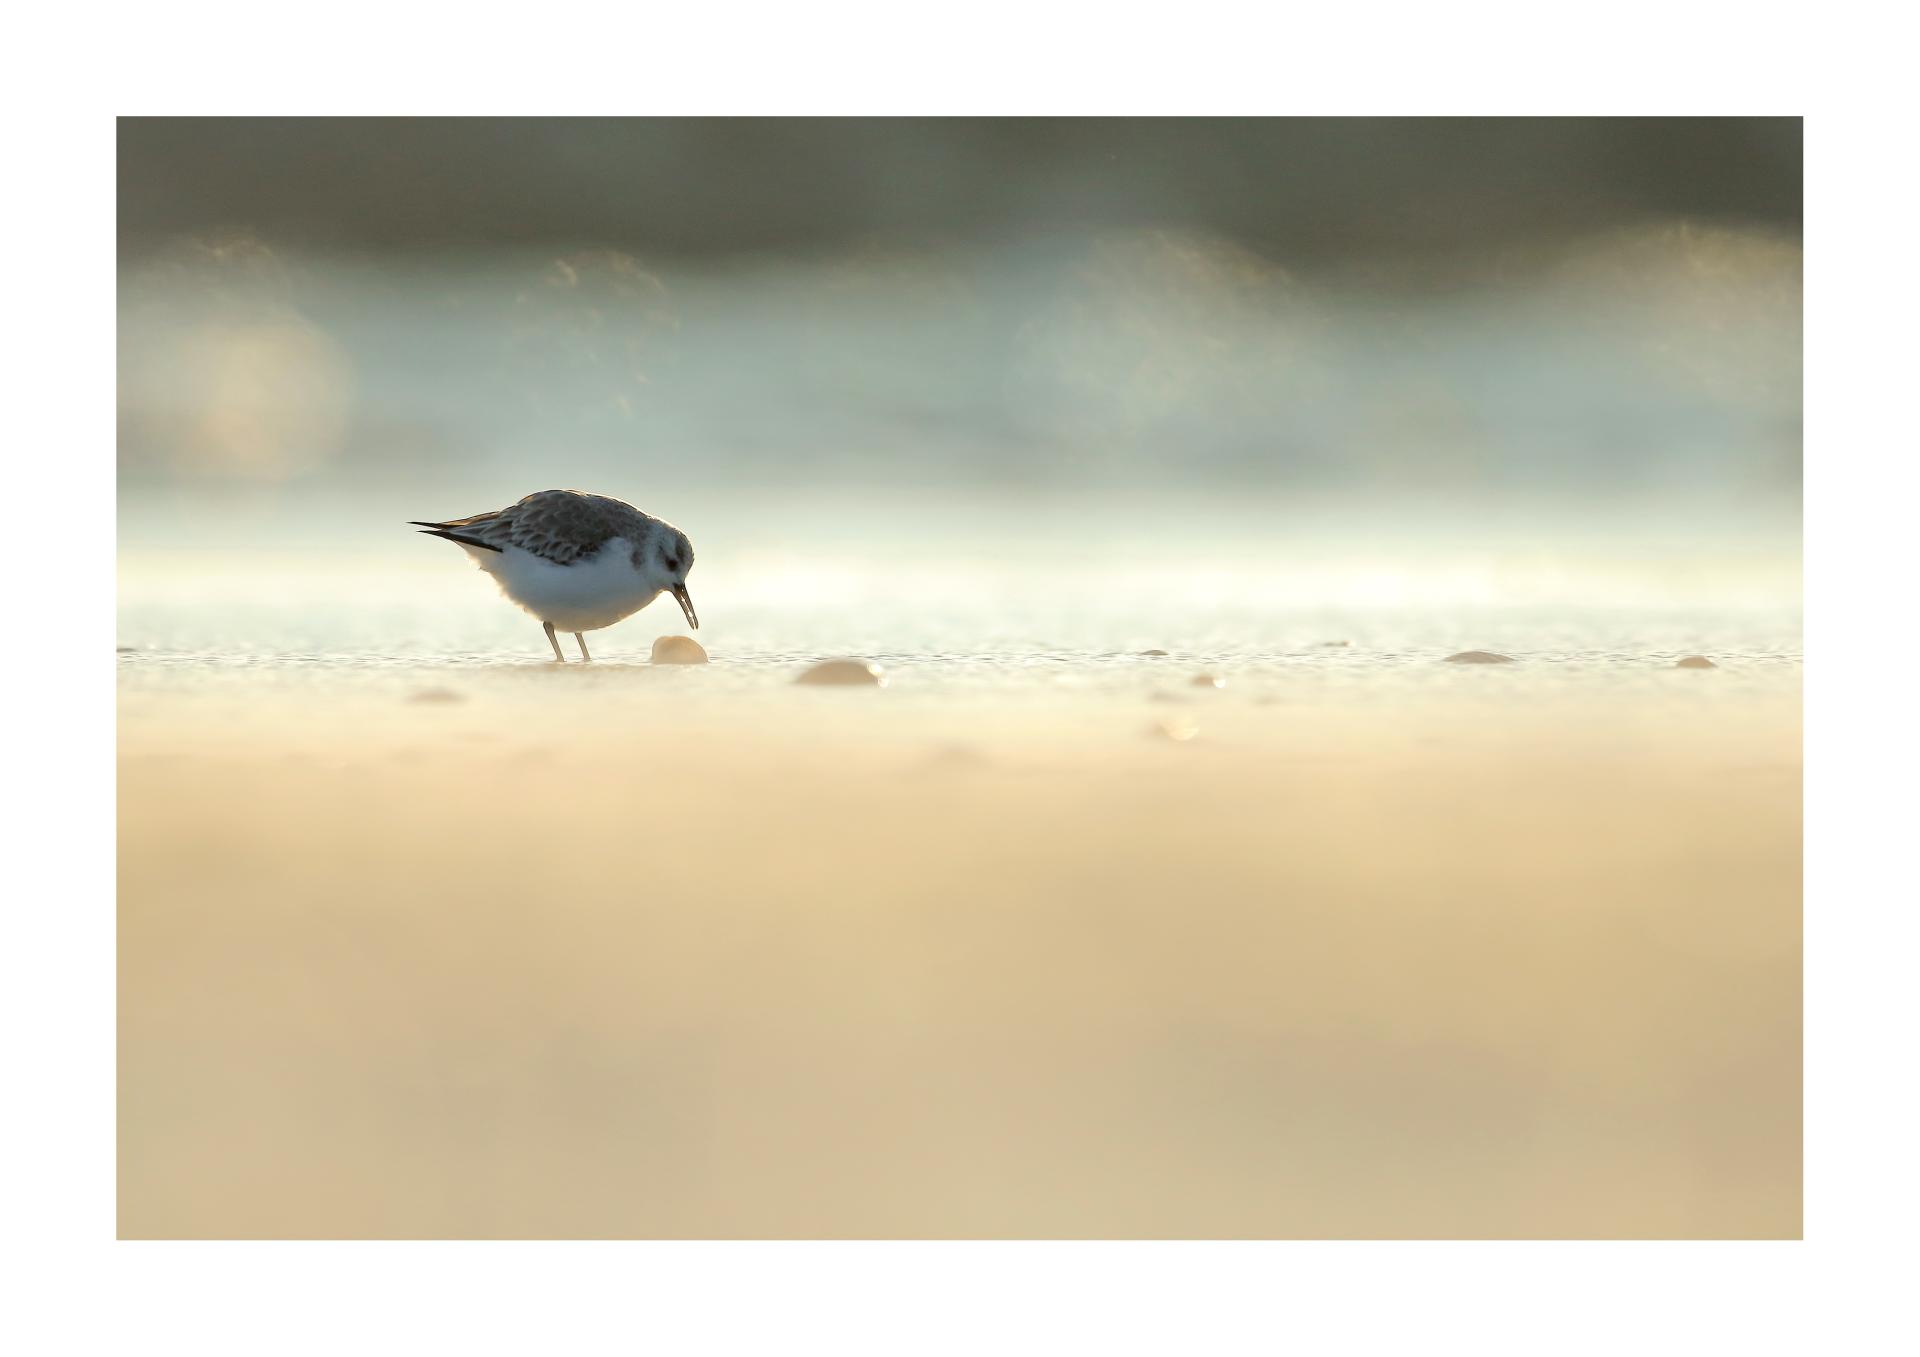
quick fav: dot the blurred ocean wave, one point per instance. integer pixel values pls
(1643, 362)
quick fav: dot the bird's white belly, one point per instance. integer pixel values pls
(585, 596)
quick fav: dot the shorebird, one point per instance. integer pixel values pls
(576, 561)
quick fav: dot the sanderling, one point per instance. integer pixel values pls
(576, 561)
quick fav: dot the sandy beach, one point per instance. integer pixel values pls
(1174, 884)
(629, 952)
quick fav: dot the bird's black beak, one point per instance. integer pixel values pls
(685, 600)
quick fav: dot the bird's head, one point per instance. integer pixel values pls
(665, 558)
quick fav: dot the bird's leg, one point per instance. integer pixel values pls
(583, 646)
(554, 641)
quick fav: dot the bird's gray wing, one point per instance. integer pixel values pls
(562, 526)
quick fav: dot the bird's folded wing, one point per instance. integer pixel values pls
(561, 526)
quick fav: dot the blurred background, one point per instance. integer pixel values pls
(1334, 361)
(1172, 885)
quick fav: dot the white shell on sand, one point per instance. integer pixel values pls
(1177, 729)
(1696, 662)
(1207, 681)
(1479, 657)
(844, 673)
(678, 650)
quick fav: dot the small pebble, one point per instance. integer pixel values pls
(1157, 654)
(1177, 729)
(1334, 645)
(437, 695)
(678, 650)
(1207, 681)
(126, 650)
(844, 673)
(1479, 657)
(1696, 662)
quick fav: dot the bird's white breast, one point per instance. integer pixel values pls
(585, 596)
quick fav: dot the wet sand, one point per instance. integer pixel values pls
(802, 962)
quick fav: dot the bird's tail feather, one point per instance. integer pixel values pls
(438, 530)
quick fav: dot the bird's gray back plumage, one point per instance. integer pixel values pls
(562, 526)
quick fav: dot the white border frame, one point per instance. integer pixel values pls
(78, 1288)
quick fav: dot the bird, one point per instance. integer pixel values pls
(576, 561)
